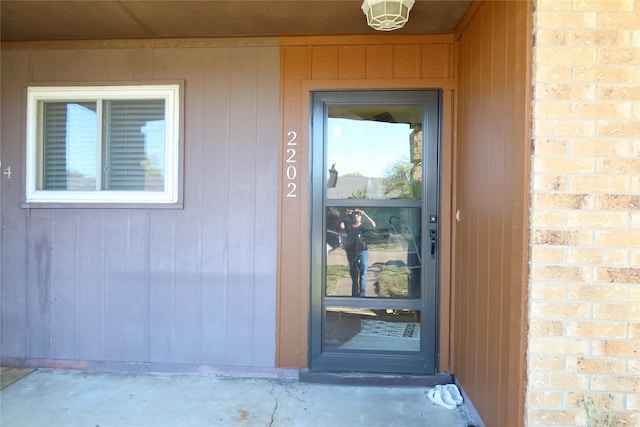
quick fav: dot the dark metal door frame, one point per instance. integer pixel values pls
(422, 362)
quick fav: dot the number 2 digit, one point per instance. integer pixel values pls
(293, 135)
(292, 189)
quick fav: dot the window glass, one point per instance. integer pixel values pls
(349, 328)
(373, 252)
(134, 145)
(375, 152)
(69, 138)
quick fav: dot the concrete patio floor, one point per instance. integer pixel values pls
(90, 399)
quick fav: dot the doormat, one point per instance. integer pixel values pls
(390, 329)
(9, 376)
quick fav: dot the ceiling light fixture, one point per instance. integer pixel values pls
(387, 15)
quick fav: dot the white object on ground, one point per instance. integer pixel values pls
(437, 396)
(454, 393)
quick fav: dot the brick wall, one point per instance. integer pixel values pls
(584, 312)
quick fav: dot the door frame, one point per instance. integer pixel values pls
(292, 334)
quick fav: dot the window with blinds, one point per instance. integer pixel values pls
(103, 144)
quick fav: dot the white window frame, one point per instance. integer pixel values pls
(36, 95)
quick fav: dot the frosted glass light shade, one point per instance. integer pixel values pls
(387, 15)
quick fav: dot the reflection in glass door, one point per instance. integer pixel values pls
(374, 231)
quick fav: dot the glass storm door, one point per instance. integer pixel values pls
(375, 213)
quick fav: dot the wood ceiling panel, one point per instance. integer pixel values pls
(29, 20)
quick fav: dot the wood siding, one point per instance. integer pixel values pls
(164, 288)
(196, 287)
(310, 63)
(491, 182)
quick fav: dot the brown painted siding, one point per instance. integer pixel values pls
(334, 62)
(167, 287)
(491, 182)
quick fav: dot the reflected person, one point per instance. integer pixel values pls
(355, 245)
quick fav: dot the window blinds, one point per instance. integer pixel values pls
(69, 146)
(134, 156)
(131, 146)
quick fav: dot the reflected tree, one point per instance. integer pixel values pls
(398, 182)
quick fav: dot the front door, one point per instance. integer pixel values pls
(375, 231)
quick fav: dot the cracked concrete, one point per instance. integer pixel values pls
(275, 406)
(77, 398)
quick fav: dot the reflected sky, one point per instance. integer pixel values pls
(366, 147)
(81, 139)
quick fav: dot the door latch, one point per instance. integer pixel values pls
(433, 234)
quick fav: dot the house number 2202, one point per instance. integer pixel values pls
(291, 171)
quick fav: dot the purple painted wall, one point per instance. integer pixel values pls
(189, 289)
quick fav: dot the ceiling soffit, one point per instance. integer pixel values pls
(48, 20)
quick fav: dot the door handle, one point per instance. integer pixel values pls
(433, 236)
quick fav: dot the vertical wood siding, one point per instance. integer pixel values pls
(334, 63)
(492, 158)
(167, 287)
